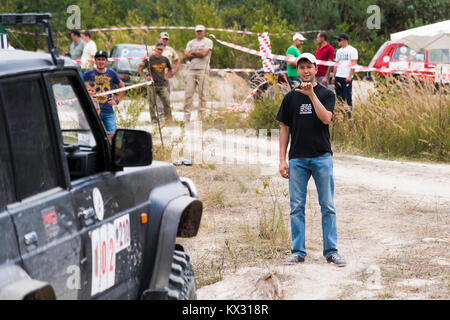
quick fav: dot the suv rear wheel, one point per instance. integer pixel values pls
(182, 279)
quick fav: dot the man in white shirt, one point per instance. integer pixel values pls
(90, 48)
(343, 74)
(198, 53)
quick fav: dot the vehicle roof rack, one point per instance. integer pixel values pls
(10, 19)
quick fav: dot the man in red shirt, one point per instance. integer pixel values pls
(324, 52)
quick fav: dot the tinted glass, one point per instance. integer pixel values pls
(7, 193)
(33, 154)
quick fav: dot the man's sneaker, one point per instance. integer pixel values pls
(337, 260)
(293, 259)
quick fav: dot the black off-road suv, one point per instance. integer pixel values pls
(81, 218)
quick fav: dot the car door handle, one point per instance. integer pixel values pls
(31, 240)
(87, 217)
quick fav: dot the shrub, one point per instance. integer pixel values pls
(401, 118)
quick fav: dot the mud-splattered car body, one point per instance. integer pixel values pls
(78, 219)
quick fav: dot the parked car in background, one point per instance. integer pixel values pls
(127, 69)
(399, 56)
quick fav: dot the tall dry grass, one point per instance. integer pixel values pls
(402, 118)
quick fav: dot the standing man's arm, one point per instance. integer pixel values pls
(289, 54)
(352, 71)
(200, 53)
(334, 74)
(330, 58)
(283, 141)
(169, 72)
(177, 66)
(116, 80)
(141, 72)
(322, 113)
(120, 94)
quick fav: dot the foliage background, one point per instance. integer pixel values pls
(275, 16)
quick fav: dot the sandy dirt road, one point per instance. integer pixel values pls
(393, 230)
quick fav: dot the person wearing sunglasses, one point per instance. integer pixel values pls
(342, 79)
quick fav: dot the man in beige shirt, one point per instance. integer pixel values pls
(198, 53)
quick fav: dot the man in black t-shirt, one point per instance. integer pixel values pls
(304, 115)
(156, 69)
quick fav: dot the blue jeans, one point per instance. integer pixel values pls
(294, 82)
(109, 120)
(300, 170)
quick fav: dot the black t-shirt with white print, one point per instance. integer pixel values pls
(310, 137)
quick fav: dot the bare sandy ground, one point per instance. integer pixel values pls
(393, 229)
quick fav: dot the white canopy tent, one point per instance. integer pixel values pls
(429, 37)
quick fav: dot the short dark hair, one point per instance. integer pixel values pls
(75, 32)
(90, 84)
(87, 33)
(159, 46)
(323, 35)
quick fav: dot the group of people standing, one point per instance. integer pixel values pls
(82, 48)
(161, 57)
(336, 78)
(161, 65)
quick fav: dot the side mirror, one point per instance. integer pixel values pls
(132, 148)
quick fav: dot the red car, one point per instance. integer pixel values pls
(397, 55)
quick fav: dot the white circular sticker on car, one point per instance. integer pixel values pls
(98, 203)
(386, 59)
(403, 49)
(125, 52)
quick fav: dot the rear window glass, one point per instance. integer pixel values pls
(405, 53)
(439, 56)
(129, 52)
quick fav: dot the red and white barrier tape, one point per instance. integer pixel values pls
(236, 107)
(232, 70)
(174, 28)
(193, 28)
(116, 59)
(264, 46)
(357, 68)
(65, 102)
(70, 101)
(125, 88)
(27, 32)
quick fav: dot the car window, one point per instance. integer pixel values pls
(439, 56)
(74, 125)
(33, 152)
(7, 191)
(130, 52)
(404, 53)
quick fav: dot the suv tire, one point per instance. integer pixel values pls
(182, 284)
